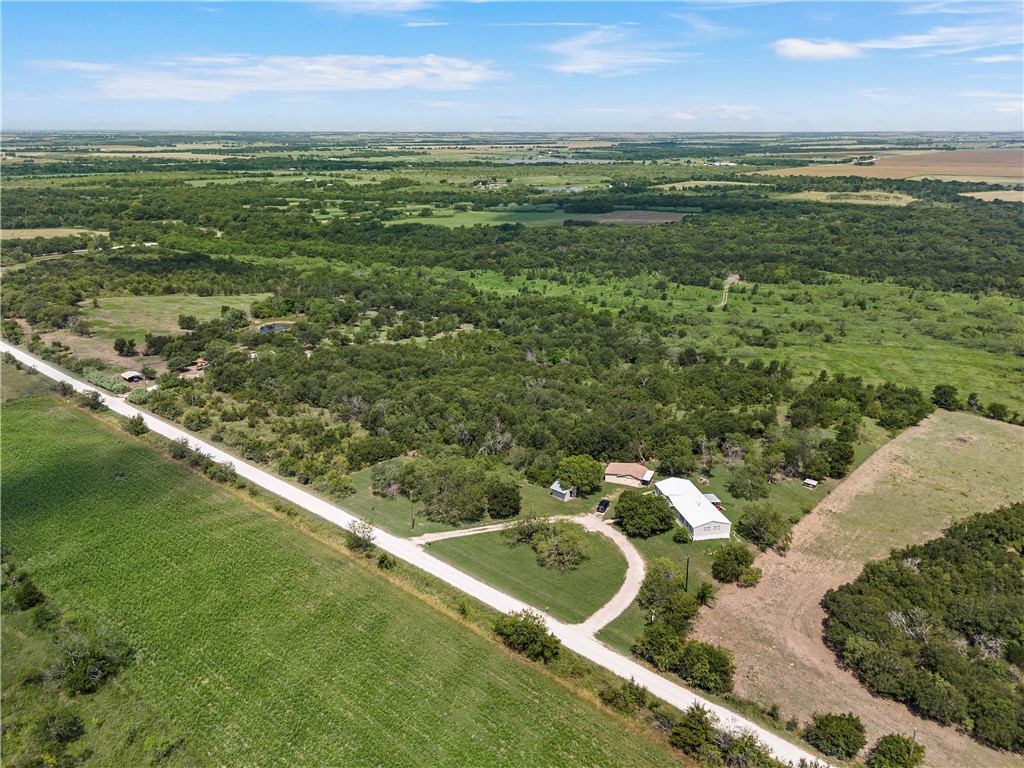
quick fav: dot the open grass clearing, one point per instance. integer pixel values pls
(28, 234)
(910, 337)
(259, 644)
(132, 317)
(952, 465)
(571, 596)
(1008, 195)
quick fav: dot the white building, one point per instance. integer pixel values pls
(694, 509)
(633, 475)
(562, 494)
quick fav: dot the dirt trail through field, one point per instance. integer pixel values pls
(906, 492)
(730, 281)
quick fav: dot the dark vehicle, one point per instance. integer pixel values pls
(602, 506)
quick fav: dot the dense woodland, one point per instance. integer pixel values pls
(940, 626)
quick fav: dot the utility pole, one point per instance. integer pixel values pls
(687, 585)
(913, 743)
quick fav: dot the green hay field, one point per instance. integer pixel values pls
(258, 644)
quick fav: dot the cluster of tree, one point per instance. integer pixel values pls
(945, 396)
(734, 563)
(559, 544)
(642, 515)
(836, 735)
(449, 489)
(671, 612)
(940, 626)
(697, 733)
(525, 632)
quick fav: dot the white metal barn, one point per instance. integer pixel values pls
(694, 509)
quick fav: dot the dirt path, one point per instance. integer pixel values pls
(730, 281)
(950, 465)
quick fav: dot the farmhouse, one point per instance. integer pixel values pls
(562, 494)
(132, 376)
(633, 475)
(694, 509)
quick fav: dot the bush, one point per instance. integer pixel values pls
(136, 425)
(681, 535)
(836, 735)
(731, 562)
(91, 400)
(27, 595)
(138, 396)
(643, 515)
(525, 632)
(196, 420)
(706, 666)
(627, 698)
(896, 751)
(386, 561)
(694, 734)
(504, 499)
(765, 527)
(99, 379)
(750, 577)
(58, 727)
(221, 473)
(179, 449)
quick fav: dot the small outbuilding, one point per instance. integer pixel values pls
(562, 494)
(132, 376)
(812, 484)
(633, 475)
(714, 500)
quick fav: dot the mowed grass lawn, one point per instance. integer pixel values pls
(258, 644)
(571, 596)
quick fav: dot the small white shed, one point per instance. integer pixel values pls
(562, 494)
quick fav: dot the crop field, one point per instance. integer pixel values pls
(912, 338)
(258, 643)
(1009, 195)
(993, 165)
(571, 596)
(952, 465)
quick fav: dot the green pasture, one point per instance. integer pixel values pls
(571, 596)
(255, 642)
(134, 316)
(909, 337)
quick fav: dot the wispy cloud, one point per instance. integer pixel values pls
(796, 48)
(609, 51)
(377, 7)
(705, 29)
(709, 112)
(938, 40)
(999, 58)
(991, 95)
(224, 77)
(957, 7)
(425, 24)
(881, 94)
(546, 24)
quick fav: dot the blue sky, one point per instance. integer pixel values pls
(414, 65)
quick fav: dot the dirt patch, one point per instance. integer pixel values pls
(28, 234)
(906, 492)
(857, 198)
(637, 218)
(996, 164)
(1010, 195)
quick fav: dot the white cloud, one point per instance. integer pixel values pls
(990, 95)
(999, 58)
(609, 51)
(224, 77)
(378, 7)
(706, 112)
(953, 39)
(880, 94)
(425, 24)
(545, 24)
(704, 28)
(957, 6)
(795, 48)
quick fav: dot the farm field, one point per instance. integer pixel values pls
(1009, 195)
(855, 198)
(953, 464)
(913, 338)
(996, 166)
(260, 644)
(571, 596)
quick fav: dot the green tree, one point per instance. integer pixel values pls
(660, 645)
(836, 735)
(694, 734)
(643, 515)
(136, 425)
(580, 472)
(125, 347)
(945, 396)
(896, 751)
(504, 498)
(560, 545)
(525, 632)
(765, 527)
(187, 322)
(706, 666)
(662, 580)
(677, 457)
(748, 482)
(731, 561)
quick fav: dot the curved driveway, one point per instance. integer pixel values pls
(577, 638)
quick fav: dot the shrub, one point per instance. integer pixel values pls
(58, 727)
(896, 751)
(27, 595)
(196, 420)
(179, 449)
(749, 578)
(110, 383)
(628, 697)
(386, 561)
(706, 666)
(359, 536)
(694, 734)
(221, 473)
(136, 425)
(90, 400)
(138, 396)
(765, 527)
(836, 735)
(731, 561)
(504, 499)
(525, 632)
(681, 535)
(642, 516)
